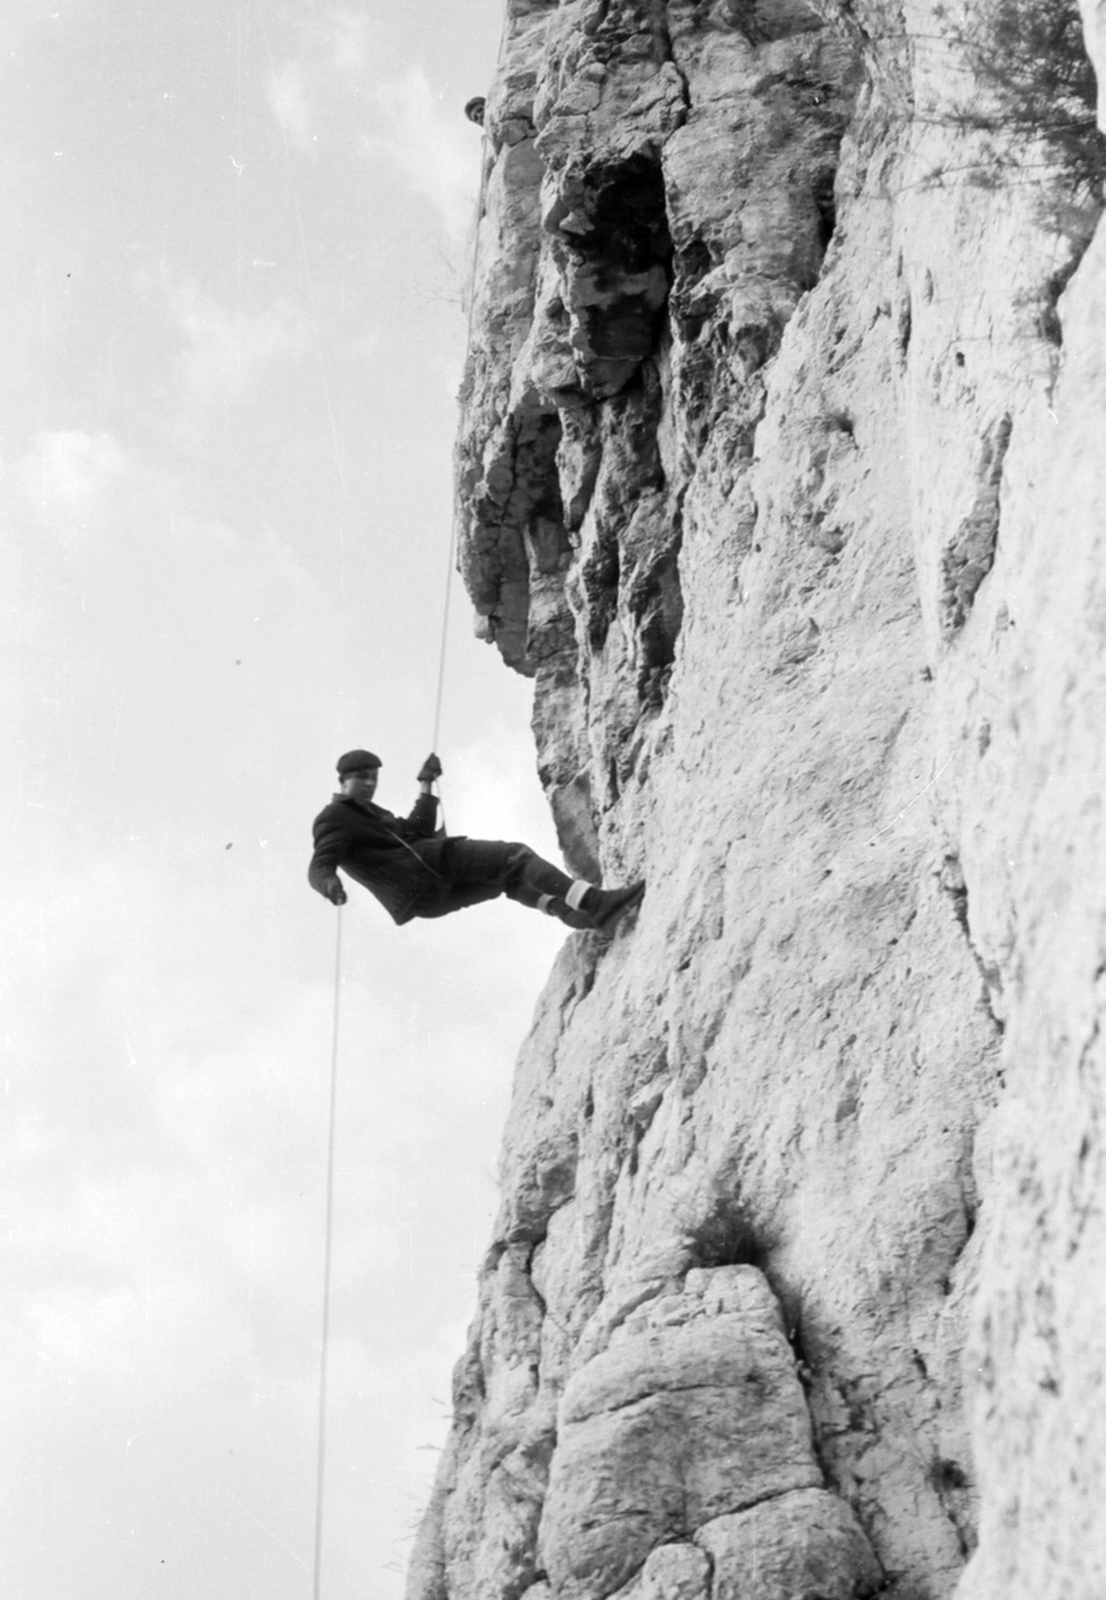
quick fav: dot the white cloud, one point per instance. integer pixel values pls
(228, 349)
(73, 472)
(345, 68)
(492, 789)
(293, 105)
(351, 38)
(430, 144)
(335, 55)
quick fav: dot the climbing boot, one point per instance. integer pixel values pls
(554, 906)
(571, 919)
(605, 906)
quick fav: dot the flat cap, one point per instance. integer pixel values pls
(357, 761)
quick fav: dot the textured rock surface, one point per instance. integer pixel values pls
(781, 472)
(800, 1544)
(692, 1409)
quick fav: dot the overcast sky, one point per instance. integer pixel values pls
(235, 240)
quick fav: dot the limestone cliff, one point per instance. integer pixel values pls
(781, 472)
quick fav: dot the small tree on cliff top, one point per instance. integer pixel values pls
(1030, 59)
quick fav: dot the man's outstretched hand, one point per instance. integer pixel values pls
(430, 770)
(332, 888)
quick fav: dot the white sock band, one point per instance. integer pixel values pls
(575, 896)
(545, 902)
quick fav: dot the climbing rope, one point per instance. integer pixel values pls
(320, 1466)
(445, 628)
(455, 519)
(324, 1350)
(456, 516)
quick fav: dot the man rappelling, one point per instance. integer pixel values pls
(416, 870)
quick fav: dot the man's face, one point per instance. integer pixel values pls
(361, 785)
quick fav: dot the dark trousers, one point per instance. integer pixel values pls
(468, 871)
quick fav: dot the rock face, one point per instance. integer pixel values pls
(781, 471)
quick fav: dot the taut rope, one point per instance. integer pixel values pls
(456, 517)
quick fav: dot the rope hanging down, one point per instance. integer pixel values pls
(324, 1351)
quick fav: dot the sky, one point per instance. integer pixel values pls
(232, 267)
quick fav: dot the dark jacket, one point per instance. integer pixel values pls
(377, 850)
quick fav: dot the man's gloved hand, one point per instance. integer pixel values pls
(332, 888)
(430, 769)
